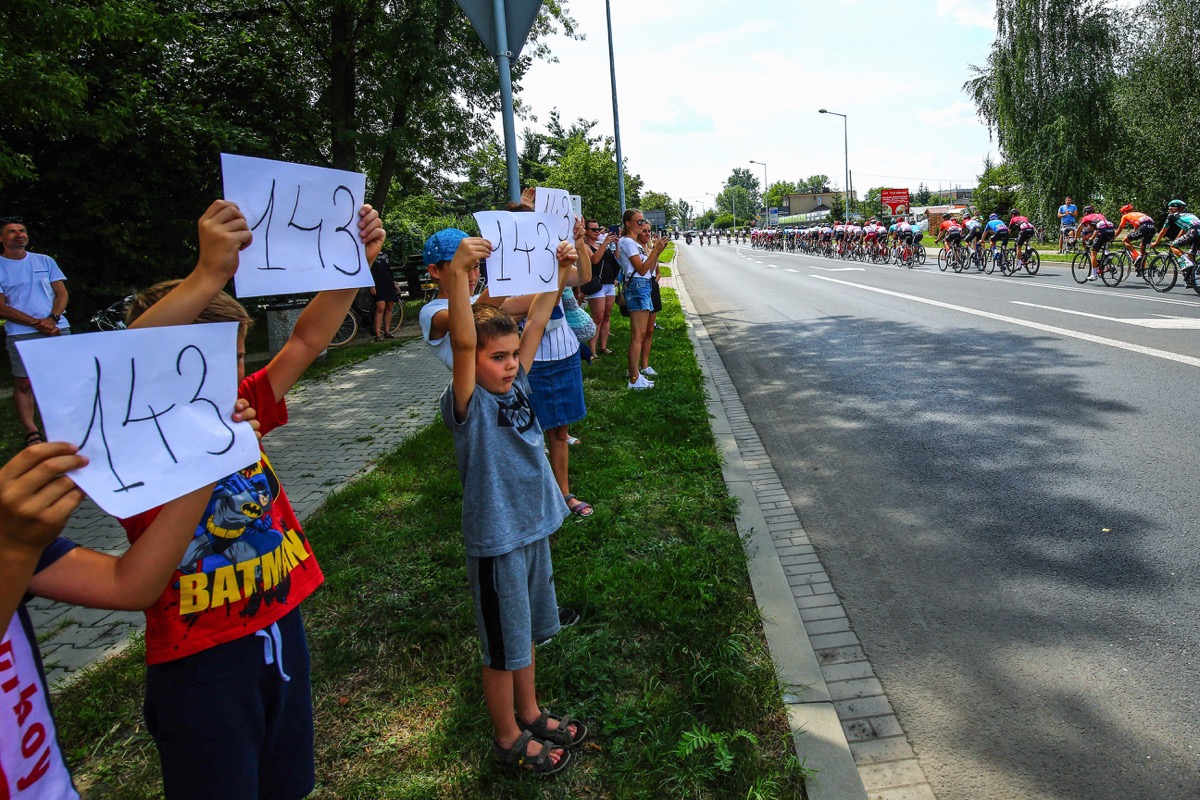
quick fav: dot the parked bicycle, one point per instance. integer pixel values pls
(113, 317)
(361, 316)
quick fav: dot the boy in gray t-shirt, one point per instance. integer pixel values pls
(511, 505)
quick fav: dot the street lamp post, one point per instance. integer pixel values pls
(612, 68)
(766, 204)
(846, 142)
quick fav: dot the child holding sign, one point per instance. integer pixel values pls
(510, 510)
(228, 699)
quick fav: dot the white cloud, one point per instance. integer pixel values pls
(969, 13)
(956, 115)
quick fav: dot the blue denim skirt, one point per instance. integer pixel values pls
(557, 392)
(637, 294)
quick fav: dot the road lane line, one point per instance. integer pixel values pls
(1037, 326)
(789, 269)
(1162, 323)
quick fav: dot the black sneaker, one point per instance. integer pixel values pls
(566, 618)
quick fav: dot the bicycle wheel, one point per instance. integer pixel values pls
(942, 259)
(1033, 261)
(346, 332)
(921, 254)
(1110, 270)
(990, 262)
(1162, 272)
(1081, 267)
(397, 316)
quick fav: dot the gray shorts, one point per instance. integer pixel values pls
(14, 358)
(515, 604)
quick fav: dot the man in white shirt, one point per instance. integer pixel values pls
(33, 297)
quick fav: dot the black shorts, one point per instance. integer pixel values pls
(1000, 239)
(973, 234)
(953, 239)
(1189, 237)
(1144, 232)
(1103, 236)
(1024, 235)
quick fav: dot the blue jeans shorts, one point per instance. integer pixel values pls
(637, 294)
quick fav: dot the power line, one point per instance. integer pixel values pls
(922, 180)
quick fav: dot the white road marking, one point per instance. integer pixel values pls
(1160, 322)
(1037, 326)
(789, 269)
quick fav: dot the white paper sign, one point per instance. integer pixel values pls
(305, 224)
(557, 203)
(150, 408)
(523, 259)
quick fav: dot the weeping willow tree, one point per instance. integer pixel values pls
(1157, 152)
(1046, 92)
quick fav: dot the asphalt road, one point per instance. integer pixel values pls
(1001, 476)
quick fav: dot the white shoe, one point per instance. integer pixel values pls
(640, 383)
(1093, 276)
(649, 371)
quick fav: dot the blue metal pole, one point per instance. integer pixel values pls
(612, 68)
(506, 100)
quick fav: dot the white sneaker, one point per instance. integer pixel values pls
(1093, 276)
(649, 371)
(640, 383)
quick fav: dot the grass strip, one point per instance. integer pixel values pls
(669, 661)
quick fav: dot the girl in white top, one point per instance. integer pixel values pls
(638, 268)
(647, 370)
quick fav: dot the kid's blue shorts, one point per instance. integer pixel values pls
(515, 603)
(226, 722)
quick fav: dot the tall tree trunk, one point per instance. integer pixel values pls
(342, 95)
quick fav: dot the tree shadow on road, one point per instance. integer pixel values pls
(982, 567)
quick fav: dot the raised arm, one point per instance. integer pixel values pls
(543, 306)
(224, 233)
(462, 319)
(581, 272)
(322, 316)
(36, 500)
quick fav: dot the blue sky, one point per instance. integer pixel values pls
(707, 85)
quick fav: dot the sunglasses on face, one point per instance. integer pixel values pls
(642, 222)
(593, 230)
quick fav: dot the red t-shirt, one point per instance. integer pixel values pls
(249, 563)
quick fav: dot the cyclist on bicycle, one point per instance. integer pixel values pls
(1141, 229)
(997, 232)
(1024, 229)
(1096, 230)
(950, 233)
(972, 231)
(917, 234)
(1184, 227)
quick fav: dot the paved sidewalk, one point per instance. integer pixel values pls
(338, 425)
(843, 725)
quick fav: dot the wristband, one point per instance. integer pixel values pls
(56, 317)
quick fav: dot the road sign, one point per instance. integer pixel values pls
(657, 218)
(895, 199)
(519, 16)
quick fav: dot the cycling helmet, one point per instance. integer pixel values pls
(1125, 209)
(992, 217)
(1014, 213)
(1089, 210)
(1177, 204)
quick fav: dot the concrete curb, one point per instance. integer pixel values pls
(817, 734)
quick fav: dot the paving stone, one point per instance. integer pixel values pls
(827, 626)
(788, 561)
(849, 671)
(862, 687)
(821, 612)
(891, 774)
(919, 792)
(893, 748)
(886, 726)
(827, 599)
(863, 707)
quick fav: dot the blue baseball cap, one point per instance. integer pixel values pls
(442, 245)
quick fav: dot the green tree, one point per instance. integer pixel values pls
(997, 190)
(872, 205)
(813, 184)
(837, 206)
(923, 196)
(778, 191)
(591, 172)
(685, 213)
(1047, 93)
(657, 201)
(742, 176)
(735, 201)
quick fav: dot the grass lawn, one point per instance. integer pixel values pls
(668, 663)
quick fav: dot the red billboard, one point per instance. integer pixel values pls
(896, 200)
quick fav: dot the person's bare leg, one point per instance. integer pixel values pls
(525, 695)
(648, 339)
(560, 455)
(499, 691)
(386, 330)
(637, 332)
(378, 318)
(23, 400)
(596, 309)
(606, 323)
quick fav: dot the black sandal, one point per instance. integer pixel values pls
(559, 736)
(517, 757)
(32, 438)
